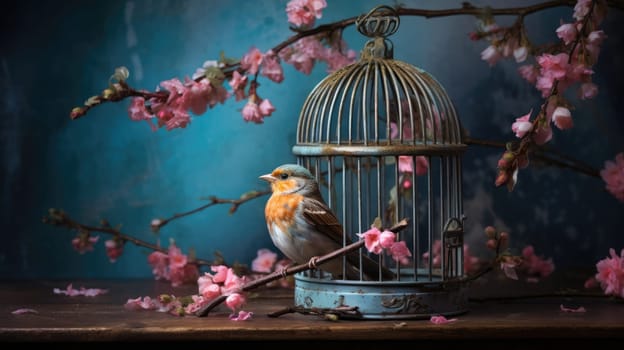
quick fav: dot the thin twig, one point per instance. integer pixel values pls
(246, 197)
(60, 218)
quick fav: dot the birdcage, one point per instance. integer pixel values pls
(384, 141)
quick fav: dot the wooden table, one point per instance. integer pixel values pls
(490, 323)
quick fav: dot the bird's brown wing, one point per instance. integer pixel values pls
(317, 213)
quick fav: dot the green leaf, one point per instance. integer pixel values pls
(227, 60)
(215, 76)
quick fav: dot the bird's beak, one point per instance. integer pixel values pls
(268, 178)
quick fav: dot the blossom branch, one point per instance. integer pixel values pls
(227, 68)
(554, 71)
(294, 269)
(236, 203)
(546, 155)
(60, 218)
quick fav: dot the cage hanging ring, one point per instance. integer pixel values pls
(381, 21)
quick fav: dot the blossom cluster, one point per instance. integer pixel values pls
(555, 70)
(173, 266)
(611, 274)
(210, 286)
(471, 263)
(377, 242)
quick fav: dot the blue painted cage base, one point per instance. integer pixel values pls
(405, 299)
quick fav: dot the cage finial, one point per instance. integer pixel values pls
(379, 23)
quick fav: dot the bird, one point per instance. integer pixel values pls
(303, 227)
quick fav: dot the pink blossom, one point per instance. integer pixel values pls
(251, 61)
(145, 303)
(84, 242)
(422, 164)
(407, 183)
(264, 261)
(405, 164)
(522, 125)
(238, 83)
(613, 176)
(520, 53)
(176, 258)
(611, 274)
(234, 301)
(242, 316)
(159, 262)
(587, 91)
(400, 252)
(529, 72)
(251, 112)
(371, 240)
(387, 238)
(233, 283)
(590, 283)
(441, 320)
(471, 263)
(137, 110)
(535, 266)
(207, 287)
(266, 108)
(596, 37)
(434, 254)
(562, 118)
(581, 9)
(197, 96)
(336, 59)
(114, 249)
(221, 273)
(303, 54)
(271, 67)
(304, 12)
(198, 302)
(491, 55)
(183, 274)
(567, 32)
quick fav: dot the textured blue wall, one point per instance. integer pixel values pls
(55, 54)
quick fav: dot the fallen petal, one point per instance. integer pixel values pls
(441, 320)
(24, 311)
(570, 309)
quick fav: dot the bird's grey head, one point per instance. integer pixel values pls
(292, 178)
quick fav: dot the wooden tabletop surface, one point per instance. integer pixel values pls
(103, 318)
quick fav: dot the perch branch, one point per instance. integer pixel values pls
(294, 269)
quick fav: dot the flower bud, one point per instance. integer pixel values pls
(491, 244)
(504, 237)
(490, 232)
(107, 93)
(502, 178)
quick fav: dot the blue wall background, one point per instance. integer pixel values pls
(55, 54)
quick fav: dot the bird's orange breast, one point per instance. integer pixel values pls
(280, 210)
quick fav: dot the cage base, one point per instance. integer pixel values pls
(382, 300)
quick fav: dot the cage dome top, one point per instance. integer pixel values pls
(378, 105)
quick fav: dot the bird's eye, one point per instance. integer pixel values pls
(283, 176)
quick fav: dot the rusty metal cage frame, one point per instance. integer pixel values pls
(358, 130)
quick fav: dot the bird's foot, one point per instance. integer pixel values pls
(312, 262)
(284, 271)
